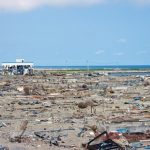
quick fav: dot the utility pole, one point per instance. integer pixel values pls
(87, 62)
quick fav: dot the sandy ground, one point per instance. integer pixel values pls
(51, 105)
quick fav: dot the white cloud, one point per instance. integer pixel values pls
(24, 5)
(141, 2)
(31, 4)
(122, 40)
(99, 52)
(119, 54)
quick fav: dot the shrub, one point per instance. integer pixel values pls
(146, 83)
(27, 90)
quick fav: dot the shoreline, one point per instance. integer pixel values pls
(94, 70)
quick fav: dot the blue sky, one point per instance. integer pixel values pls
(72, 32)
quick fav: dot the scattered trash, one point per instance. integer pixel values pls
(61, 108)
(3, 147)
(28, 102)
(107, 143)
(2, 124)
(46, 104)
(122, 130)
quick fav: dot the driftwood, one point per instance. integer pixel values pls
(23, 128)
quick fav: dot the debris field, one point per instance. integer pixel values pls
(62, 110)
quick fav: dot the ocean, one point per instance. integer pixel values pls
(109, 67)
